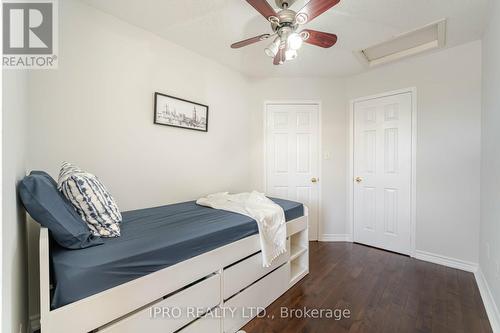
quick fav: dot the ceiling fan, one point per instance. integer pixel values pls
(285, 24)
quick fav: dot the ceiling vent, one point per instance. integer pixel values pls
(432, 36)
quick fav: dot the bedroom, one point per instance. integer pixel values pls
(97, 109)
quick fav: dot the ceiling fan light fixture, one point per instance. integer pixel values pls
(295, 41)
(273, 48)
(284, 24)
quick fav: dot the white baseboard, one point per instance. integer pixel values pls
(488, 300)
(34, 323)
(446, 261)
(335, 238)
(486, 295)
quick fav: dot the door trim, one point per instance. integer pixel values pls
(350, 163)
(320, 150)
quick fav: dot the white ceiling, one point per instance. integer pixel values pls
(208, 27)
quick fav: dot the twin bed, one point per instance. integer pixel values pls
(176, 257)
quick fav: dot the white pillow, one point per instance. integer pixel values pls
(91, 200)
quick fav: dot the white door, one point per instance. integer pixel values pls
(292, 159)
(382, 172)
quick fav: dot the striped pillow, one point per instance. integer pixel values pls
(91, 200)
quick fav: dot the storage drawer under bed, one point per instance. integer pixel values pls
(241, 275)
(257, 296)
(208, 324)
(174, 310)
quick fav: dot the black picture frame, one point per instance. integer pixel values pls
(173, 118)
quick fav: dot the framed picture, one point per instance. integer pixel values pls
(176, 112)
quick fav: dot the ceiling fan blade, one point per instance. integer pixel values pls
(279, 59)
(250, 41)
(318, 38)
(313, 9)
(263, 7)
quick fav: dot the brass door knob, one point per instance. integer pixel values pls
(314, 180)
(358, 179)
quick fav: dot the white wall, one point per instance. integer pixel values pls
(490, 162)
(449, 111)
(14, 267)
(96, 110)
(334, 125)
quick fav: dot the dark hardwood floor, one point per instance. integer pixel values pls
(385, 292)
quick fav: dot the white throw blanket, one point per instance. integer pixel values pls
(270, 218)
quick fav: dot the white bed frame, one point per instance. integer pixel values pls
(229, 277)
